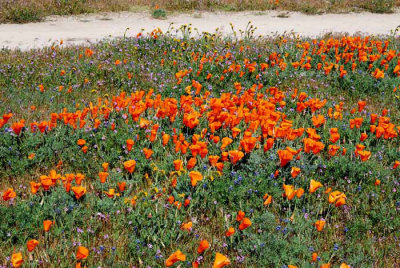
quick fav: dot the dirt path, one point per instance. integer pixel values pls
(89, 28)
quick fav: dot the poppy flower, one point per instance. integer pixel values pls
(246, 222)
(46, 182)
(79, 178)
(81, 142)
(195, 176)
(268, 144)
(332, 149)
(129, 144)
(235, 156)
(130, 166)
(240, 216)
(84, 149)
(213, 159)
(364, 155)
(121, 186)
(34, 187)
(31, 244)
(110, 193)
(267, 199)
(187, 226)
(203, 246)
(314, 257)
(220, 261)
(338, 198)
(18, 126)
(47, 224)
(79, 191)
(165, 138)
(178, 164)
(16, 259)
(147, 152)
(103, 176)
(290, 192)
(335, 136)
(175, 257)
(314, 185)
(230, 232)
(299, 192)
(318, 120)
(285, 156)
(82, 253)
(225, 142)
(344, 265)
(319, 225)
(295, 172)
(396, 164)
(9, 194)
(105, 166)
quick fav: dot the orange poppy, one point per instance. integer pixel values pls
(230, 232)
(16, 259)
(147, 152)
(103, 176)
(47, 224)
(82, 253)
(220, 261)
(110, 193)
(130, 166)
(240, 216)
(9, 194)
(267, 199)
(121, 186)
(105, 166)
(203, 246)
(396, 164)
(175, 257)
(79, 191)
(34, 187)
(187, 226)
(79, 178)
(285, 156)
(195, 176)
(295, 172)
(31, 244)
(235, 156)
(84, 149)
(338, 198)
(320, 225)
(129, 144)
(246, 222)
(314, 185)
(178, 164)
(290, 192)
(81, 142)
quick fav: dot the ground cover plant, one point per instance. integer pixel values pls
(167, 150)
(20, 11)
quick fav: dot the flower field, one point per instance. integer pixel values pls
(164, 150)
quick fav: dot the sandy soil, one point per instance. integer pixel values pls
(89, 28)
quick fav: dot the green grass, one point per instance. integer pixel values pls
(362, 233)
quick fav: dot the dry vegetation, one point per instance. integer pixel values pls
(20, 11)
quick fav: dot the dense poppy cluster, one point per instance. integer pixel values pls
(207, 135)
